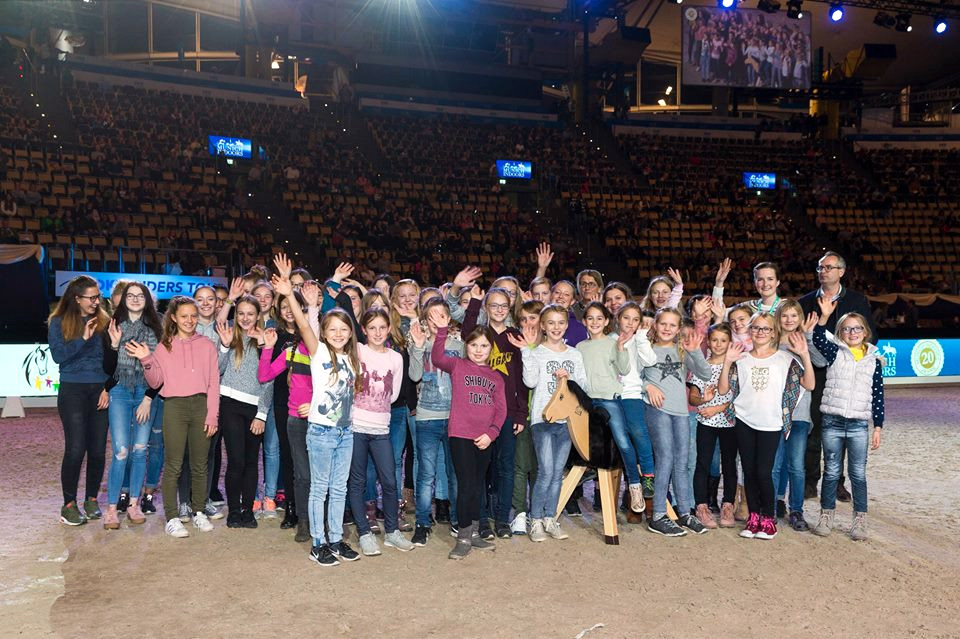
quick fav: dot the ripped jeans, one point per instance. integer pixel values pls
(128, 439)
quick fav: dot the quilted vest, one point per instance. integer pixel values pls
(848, 391)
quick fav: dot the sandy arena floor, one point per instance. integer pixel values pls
(904, 582)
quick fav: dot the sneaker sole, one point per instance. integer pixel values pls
(537, 540)
(317, 561)
(371, 554)
(681, 533)
(765, 536)
(400, 548)
(747, 534)
(178, 536)
(63, 520)
(342, 558)
(215, 517)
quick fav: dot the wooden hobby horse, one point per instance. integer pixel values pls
(593, 447)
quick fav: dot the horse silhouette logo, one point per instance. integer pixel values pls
(889, 360)
(36, 369)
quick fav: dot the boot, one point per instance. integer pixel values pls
(402, 524)
(303, 531)
(714, 487)
(858, 531)
(372, 517)
(476, 540)
(463, 545)
(443, 511)
(289, 518)
(742, 512)
(408, 501)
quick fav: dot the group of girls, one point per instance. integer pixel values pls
(329, 381)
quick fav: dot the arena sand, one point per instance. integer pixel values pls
(904, 582)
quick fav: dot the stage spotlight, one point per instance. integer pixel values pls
(726, 4)
(769, 6)
(836, 12)
(795, 9)
(885, 20)
(939, 25)
(903, 23)
(677, 1)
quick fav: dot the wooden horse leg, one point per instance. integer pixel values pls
(671, 513)
(570, 482)
(608, 481)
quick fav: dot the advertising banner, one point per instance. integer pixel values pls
(163, 286)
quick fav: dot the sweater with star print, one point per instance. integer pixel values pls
(669, 374)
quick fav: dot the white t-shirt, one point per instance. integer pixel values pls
(759, 403)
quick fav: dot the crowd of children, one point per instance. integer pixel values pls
(436, 396)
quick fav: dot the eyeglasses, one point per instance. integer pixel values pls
(828, 267)
(92, 298)
(133, 297)
(763, 330)
(852, 329)
(588, 285)
(499, 307)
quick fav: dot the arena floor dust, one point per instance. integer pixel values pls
(87, 582)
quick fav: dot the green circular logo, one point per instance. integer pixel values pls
(927, 358)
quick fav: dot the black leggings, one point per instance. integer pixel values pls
(84, 433)
(470, 464)
(758, 449)
(281, 415)
(243, 452)
(707, 437)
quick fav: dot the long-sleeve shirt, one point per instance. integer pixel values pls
(576, 332)
(381, 374)
(603, 364)
(505, 359)
(641, 356)
(669, 375)
(435, 393)
(80, 360)
(110, 357)
(188, 368)
(539, 365)
(478, 405)
(299, 385)
(241, 383)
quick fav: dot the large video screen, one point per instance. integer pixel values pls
(745, 48)
(230, 147)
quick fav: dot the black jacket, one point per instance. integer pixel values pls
(850, 302)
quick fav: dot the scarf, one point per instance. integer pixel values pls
(129, 371)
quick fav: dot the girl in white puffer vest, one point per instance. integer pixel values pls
(853, 395)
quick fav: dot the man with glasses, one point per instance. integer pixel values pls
(830, 270)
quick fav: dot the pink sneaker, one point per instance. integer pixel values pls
(111, 520)
(269, 508)
(705, 516)
(768, 528)
(752, 528)
(134, 514)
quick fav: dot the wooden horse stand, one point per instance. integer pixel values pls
(593, 447)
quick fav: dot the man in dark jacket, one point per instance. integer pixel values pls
(830, 270)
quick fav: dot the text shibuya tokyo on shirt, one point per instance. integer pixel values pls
(480, 399)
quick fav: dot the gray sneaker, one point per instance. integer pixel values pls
(478, 542)
(858, 531)
(460, 550)
(212, 512)
(185, 514)
(369, 545)
(537, 533)
(825, 523)
(397, 540)
(552, 528)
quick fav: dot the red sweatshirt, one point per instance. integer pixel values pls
(478, 406)
(189, 368)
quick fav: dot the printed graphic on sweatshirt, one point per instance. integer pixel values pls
(760, 378)
(336, 401)
(436, 389)
(553, 367)
(669, 368)
(377, 390)
(479, 389)
(498, 359)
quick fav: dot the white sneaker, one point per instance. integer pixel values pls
(519, 524)
(175, 528)
(185, 513)
(369, 546)
(200, 521)
(552, 528)
(212, 512)
(398, 541)
(537, 532)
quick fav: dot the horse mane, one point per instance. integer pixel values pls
(582, 398)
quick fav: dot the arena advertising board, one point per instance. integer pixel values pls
(514, 169)
(162, 286)
(28, 370)
(230, 147)
(920, 358)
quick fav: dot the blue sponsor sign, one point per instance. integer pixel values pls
(760, 180)
(920, 358)
(514, 169)
(230, 147)
(163, 286)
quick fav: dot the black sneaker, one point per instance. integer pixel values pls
(146, 504)
(454, 529)
(289, 520)
(344, 552)
(443, 511)
(234, 519)
(324, 556)
(665, 526)
(248, 520)
(503, 530)
(420, 535)
(123, 503)
(573, 508)
(781, 509)
(647, 486)
(485, 531)
(691, 522)
(798, 523)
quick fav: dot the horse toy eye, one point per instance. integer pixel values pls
(561, 396)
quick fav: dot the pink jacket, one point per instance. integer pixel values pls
(188, 368)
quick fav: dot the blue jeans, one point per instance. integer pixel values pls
(671, 438)
(128, 439)
(271, 456)
(552, 445)
(634, 411)
(618, 428)
(398, 438)
(330, 450)
(788, 465)
(432, 440)
(155, 444)
(841, 433)
(692, 451)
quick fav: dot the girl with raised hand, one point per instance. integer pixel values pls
(131, 400)
(477, 413)
(75, 335)
(433, 414)
(244, 403)
(381, 374)
(667, 419)
(663, 291)
(525, 458)
(852, 396)
(765, 384)
(715, 421)
(505, 360)
(543, 365)
(184, 366)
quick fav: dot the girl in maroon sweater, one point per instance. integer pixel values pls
(477, 412)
